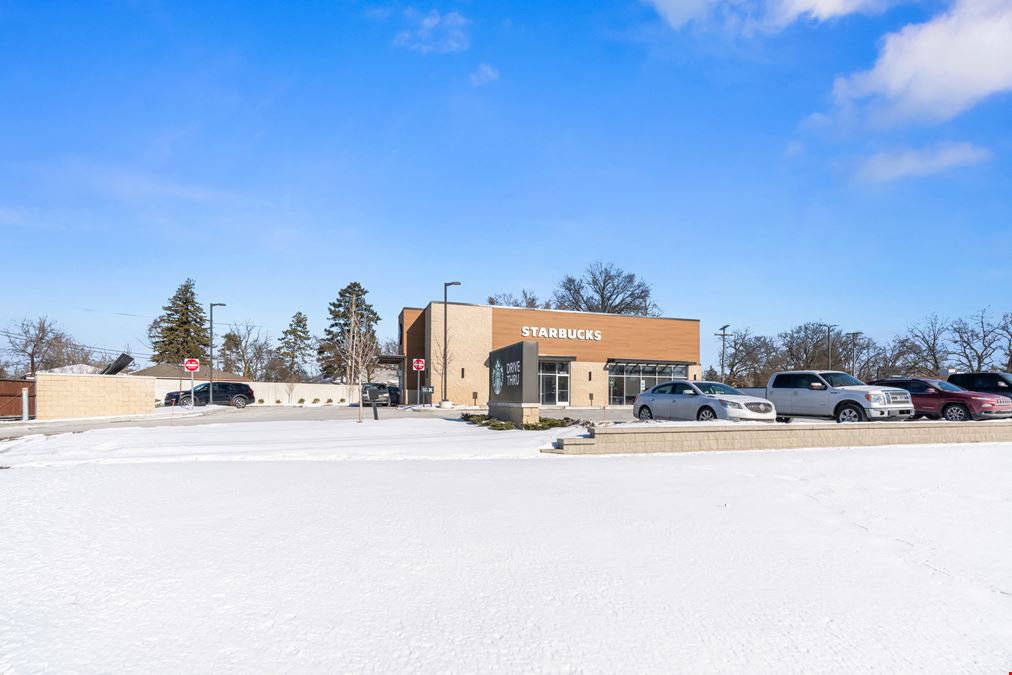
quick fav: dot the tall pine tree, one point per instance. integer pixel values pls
(349, 345)
(181, 332)
(296, 345)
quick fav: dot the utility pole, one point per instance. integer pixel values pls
(829, 342)
(210, 366)
(723, 335)
(854, 336)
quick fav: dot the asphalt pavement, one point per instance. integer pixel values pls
(255, 413)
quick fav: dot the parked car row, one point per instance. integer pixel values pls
(832, 395)
(236, 394)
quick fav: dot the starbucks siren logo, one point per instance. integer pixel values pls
(497, 378)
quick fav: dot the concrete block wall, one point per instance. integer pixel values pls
(517, 413)
(68, 396)
(275, 391)
(701, 437)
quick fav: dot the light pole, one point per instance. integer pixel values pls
(829, 342)
(210, 368)
(853, 350)
(445, 402)
(723, 334)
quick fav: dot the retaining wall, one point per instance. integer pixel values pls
(703, 437)
(273, 391)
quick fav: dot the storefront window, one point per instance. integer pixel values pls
(627, 380)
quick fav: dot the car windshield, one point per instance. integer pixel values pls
(945, 386)
(201, 388)
(715, 388)
(841, 380)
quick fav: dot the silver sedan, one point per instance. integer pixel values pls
(701, 401)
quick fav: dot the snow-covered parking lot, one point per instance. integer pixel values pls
(457, 549)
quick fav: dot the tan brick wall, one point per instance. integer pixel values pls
(695, 438)
(469, 344)
(580, 386)
(63, 396)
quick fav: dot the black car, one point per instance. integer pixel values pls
(989, 383)
(237, 394)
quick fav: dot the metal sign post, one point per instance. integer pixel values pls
(192, 366)
(419, 366)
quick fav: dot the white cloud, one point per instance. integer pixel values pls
(435, 32)
(680, 12)
(785, 12)
(483, 75)
(885, 167)
(941, 68)
(750, 15)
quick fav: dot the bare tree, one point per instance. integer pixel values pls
(928, 346)
(390, 346)
(806, 346)
(606, 288)
(246, 349)
(1005, 329)
(31, 341)
(527, 299)
(976, 340)
(436, 376)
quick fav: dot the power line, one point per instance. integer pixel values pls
(105, 350)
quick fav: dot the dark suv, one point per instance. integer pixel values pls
(939, 399)
(225, 393)
(990, 383)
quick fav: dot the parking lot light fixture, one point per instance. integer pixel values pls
(445, 402)
(210, 365)
(723, 335)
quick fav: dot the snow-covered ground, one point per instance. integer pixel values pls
(120, 552)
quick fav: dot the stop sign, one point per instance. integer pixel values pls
(191, 365)
(418, 364)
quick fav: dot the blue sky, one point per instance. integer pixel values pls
(759, 163)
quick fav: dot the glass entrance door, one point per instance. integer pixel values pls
(554, 379)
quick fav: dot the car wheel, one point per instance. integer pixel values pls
(956, 412)
(239, 401)
(645, 414)
(785, 420)
(185, 401)
(706, 415)
(849, 413)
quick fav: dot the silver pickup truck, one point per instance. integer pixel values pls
(832, 394)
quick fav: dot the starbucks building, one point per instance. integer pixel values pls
(584, 358)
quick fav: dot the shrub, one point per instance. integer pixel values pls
(316, 400)
(302, 401)
(329, 401)
(260, 401)
(550, 423)
(342, 401)
(500, 425)
(277, 401)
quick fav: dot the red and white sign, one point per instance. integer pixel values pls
(418, 364)
(191, 365)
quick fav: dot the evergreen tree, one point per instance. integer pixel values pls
(181, 332)
(349, 345)
(296, 345)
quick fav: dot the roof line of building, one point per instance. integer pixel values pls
(540, 309)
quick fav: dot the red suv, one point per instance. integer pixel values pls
(940, 399)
